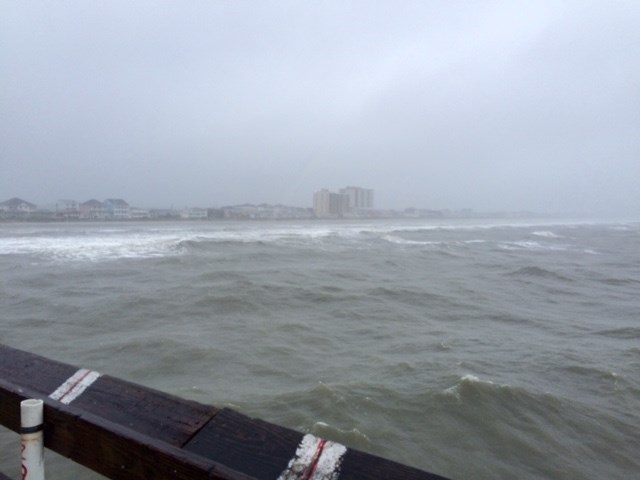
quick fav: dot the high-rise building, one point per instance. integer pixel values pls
(359, 198)
(328, 204)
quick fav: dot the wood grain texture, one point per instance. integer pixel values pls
(252, 446)
(263, 450)
(32, 371)
(363, 466)
(110, 449)
(171, 419)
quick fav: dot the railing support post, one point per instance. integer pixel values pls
(31, 440)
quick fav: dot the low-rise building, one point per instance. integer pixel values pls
(194, 214)
(139, 213)
(117, 209)
(92, 210)
(67, 209)
(264, 211)
(17, 208)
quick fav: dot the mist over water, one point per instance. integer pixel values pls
(469, 349)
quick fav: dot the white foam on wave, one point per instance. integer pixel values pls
(93, 248)
(101, 244)
(471, 378)
(403, 241)
(275, 235)
(530, 245)
(454, 390)
(546, 234)
(323, 429)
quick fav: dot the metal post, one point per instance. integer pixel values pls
(31, 440)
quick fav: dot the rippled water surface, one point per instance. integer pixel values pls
(469, 349)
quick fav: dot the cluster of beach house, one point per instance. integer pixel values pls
(119, 209)
(112, 208)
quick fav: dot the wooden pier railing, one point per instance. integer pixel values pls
(126, 431)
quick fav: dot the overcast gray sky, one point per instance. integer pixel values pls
(492, 105)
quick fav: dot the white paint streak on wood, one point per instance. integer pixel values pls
(327, 457)
(329, 462)
(74, 386)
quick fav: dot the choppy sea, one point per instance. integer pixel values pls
(472, 349)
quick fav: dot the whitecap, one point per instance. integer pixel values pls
(529, 245)
(403, 241)
(346, 435)
(454, 390)
(546, 234)
(92, 248)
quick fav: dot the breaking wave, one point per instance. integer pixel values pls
(91, 248)
(531, 245)
(546, 234)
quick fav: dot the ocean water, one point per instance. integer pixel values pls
(472, 349)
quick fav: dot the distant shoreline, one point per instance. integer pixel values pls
(398, 216)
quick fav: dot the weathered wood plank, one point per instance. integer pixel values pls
(252, 446)
(359, 465)
(264, 450)
(150, 412)
(108, 448)
(170, 419)
(32, 371)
